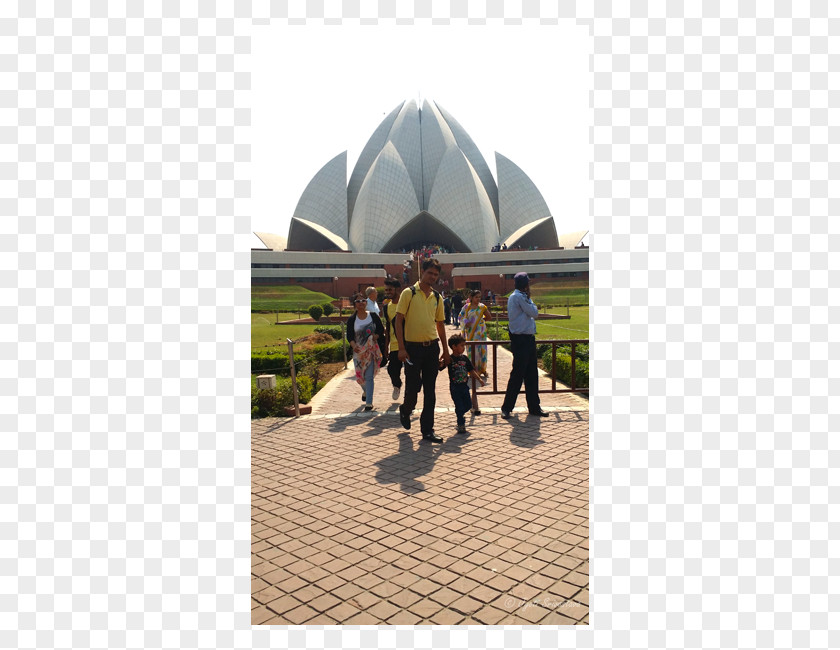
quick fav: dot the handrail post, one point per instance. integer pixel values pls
(344, 344)
(474, 396)
(495, 365)
(573, 365)
(554, 365)
(294, 380)
(474, 356)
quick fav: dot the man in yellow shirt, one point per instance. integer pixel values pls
(389, 317)
(420, 336)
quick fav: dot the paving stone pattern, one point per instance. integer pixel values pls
(357, 521)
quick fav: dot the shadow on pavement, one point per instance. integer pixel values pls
(344, 422)
(278, 424)
(525, 430)
(408, 464)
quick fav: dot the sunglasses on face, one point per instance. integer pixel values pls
(361, 300)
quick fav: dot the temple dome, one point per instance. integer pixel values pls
(420, 178)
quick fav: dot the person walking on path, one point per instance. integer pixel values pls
(372, 306)
(522, 325)
(457, 304)
(460, 370)
(447, 308)
(392, 289)
(473, 320)
(420, 333)
(366, 336)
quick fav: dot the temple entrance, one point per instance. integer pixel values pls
(423, 231)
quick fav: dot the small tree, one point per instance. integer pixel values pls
(328, 308)
(315, 312)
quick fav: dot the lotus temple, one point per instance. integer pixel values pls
(420, 183)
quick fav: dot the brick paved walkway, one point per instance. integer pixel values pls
(357, 521)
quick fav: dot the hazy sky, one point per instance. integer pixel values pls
(521, 91)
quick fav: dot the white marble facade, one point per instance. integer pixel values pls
(419, 162)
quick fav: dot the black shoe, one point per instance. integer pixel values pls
(405, 419)
(369, 407)
(540, 412)
(364, 397)
(505, 415)
(431, 437)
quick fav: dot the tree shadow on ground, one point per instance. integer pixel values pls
(408, 464)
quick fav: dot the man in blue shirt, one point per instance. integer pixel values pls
(523, 344)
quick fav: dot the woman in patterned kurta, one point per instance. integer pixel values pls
(364, 331)
(473, 320)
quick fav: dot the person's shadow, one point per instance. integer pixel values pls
(408, 464)
(524, 431)
(343, 422)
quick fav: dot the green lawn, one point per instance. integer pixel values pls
(576, 327)
(559, 296)
(265, 333)
(286, 298)
(558, 291)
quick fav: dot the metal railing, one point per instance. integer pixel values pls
(552, 371)
(495, 390)
(292, 364)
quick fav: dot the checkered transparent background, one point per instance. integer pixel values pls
(124, 187)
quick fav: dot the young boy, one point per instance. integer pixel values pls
(460, 370)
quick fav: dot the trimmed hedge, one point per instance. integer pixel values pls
(316, 311)
(277, 361)
(268, 402)
(564, 365)
(581, 351)
(332, 330)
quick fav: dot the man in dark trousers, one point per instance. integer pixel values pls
(420, 333)
(389, 315)
(457, 305)
(522, 325)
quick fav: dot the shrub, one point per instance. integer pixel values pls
(277, 362)
(327, 308)
(332, 330)
(270, 402)
(315, 311)
(581, 351)
(327, 352)
(265, 402)
(499, 333)
(563, 369)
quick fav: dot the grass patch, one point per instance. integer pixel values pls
(576, 327)
(286, 298)
(575, 297)
(264, 333)
(557, 292)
